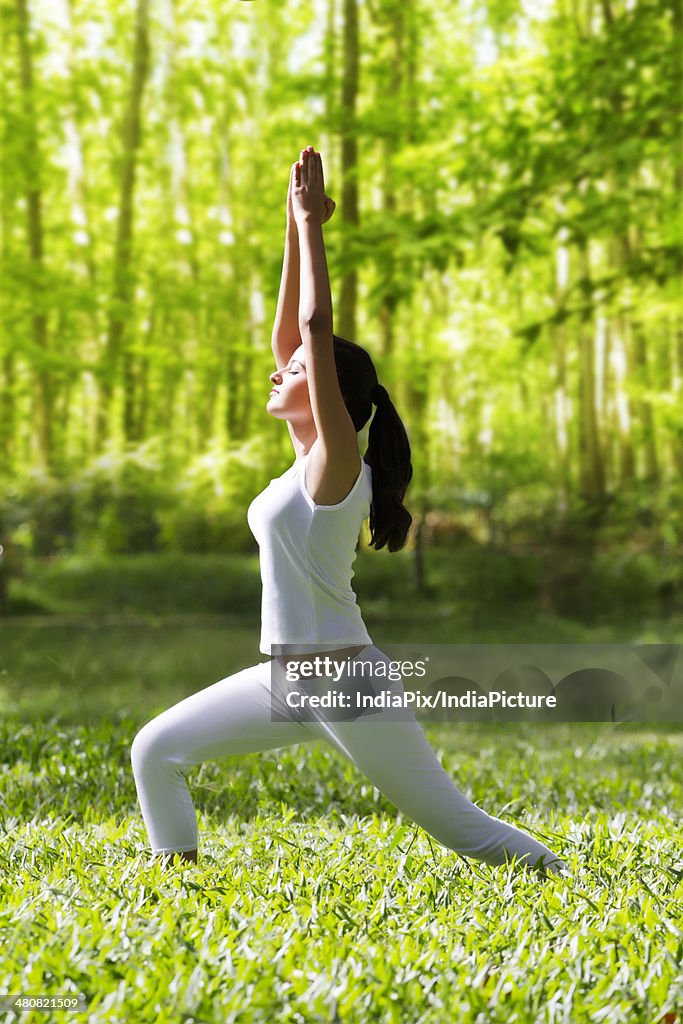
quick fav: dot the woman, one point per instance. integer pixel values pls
(307, 523)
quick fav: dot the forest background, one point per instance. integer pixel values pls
(507, 245)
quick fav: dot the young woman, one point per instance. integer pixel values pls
(307, 523)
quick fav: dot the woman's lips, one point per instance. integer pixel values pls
(274, 391)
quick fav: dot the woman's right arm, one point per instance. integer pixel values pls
(286, 338)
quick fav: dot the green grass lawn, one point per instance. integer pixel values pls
(314, 899)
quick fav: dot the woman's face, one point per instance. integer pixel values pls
(290, 400)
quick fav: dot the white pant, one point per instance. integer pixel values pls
(233, 716)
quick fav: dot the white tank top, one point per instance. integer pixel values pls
(306, 555)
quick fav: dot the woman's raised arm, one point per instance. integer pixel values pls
(285, 337)
(336, 434)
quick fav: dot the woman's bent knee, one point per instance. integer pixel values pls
(152, 744)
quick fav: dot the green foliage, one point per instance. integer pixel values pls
(206, 510)
(126, 523)
(47, 514)
(137, 502)
(497, 144)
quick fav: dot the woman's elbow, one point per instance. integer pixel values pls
(315, 323)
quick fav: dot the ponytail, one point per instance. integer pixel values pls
(388, 456)
(388, 452)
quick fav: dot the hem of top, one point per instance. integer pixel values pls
(330, 508)
(301, 643)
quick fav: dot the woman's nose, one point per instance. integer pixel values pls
(274, 374)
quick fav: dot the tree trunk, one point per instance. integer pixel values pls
(421, 440)
(330, 53)
(622, 405)
(390, 84)
(180, 219)
(677, 42)
(677, 389)
(78, 192)
(120, 316)
(644, 405)
(349, 153)
(638, 367)
(8, 415)
(562, 266)
(78, 202)
(8, 411)
(591, 465)
(43, 391)
(141, 426)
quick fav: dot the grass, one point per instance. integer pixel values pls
(314, 900)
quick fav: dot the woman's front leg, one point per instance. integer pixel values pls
(233, 716)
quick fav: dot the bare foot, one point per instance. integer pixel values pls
(184, 855)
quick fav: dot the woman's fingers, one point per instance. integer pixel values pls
(309, 153)
(310, 167)
(304, 167)
(314, 167)
(308, 174)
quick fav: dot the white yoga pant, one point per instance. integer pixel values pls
(233, 716)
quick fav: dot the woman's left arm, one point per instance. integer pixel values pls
(315, 297)
(336, 432)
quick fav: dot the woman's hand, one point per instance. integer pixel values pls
(330, 205)
(308, 189)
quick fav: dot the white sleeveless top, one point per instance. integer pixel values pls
(306, 555)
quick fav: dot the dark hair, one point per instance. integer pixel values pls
(388, 453)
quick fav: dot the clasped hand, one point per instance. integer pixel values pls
(307, 199)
